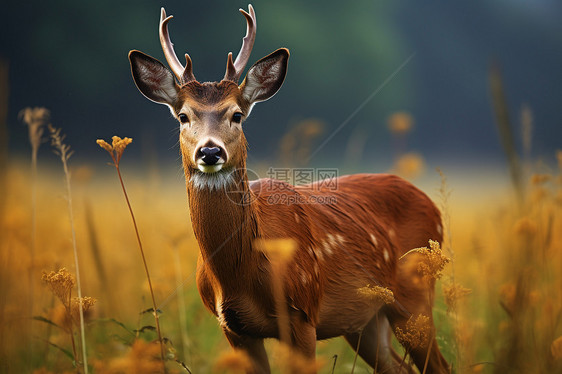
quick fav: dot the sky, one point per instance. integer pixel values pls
(352, 65)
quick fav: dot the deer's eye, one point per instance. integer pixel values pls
(237, 117)
(183, 118)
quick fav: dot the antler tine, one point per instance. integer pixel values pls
(184, 75)
(234, 71)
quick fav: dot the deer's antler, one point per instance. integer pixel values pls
(184, 75)
(234, 69)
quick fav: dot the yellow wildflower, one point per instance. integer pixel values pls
(416, 333)
(116, 148)
(452, 293)
(435, 260)
(377, 294)
(61, 284)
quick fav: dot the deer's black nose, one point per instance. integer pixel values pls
(210, 155)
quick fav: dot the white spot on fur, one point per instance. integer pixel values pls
(327, 248)
(304, 277)
(386, 255)
(211, 181)
(341, 240)
(331, 241)
(439, 229)
(320, 255)
(391, 233)
(374, 240)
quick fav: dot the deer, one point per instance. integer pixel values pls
(355, 240)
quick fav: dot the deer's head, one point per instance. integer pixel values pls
(211, 113)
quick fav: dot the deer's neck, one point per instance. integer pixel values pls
(224, 223)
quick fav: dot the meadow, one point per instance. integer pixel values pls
(498, 307)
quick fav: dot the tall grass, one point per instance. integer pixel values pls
(116, 150)
(63, 150)
(498, 308)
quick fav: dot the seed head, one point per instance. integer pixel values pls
(35, 119)
(61, 284)
(452, 293)
(434, 263)
(416, 333)
(87, 303)
(57, 141)
(116, 148)
(377, 294)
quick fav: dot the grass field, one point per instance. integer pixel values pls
(498, 305)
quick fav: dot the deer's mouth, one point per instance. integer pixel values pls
(210, 168)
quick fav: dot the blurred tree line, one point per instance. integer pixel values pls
(71, 57)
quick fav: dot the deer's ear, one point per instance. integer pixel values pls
(265, 77)
(153, 79)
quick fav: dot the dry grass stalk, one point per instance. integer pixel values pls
(279, 252)
(63, 150)
(526, 130)
(181, 299)
(116, 150)
(35, 119)
(503, 123)
(4, 96)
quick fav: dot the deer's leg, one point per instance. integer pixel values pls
(436, 363)
(303, 341)
(415, 295)
(374, 345)
(254, 348)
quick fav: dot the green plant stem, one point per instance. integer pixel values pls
(356, 351)
(70, 329)
(181, 305)
(74, 246)
(155, 310)
(33, 222)
(428, 354)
